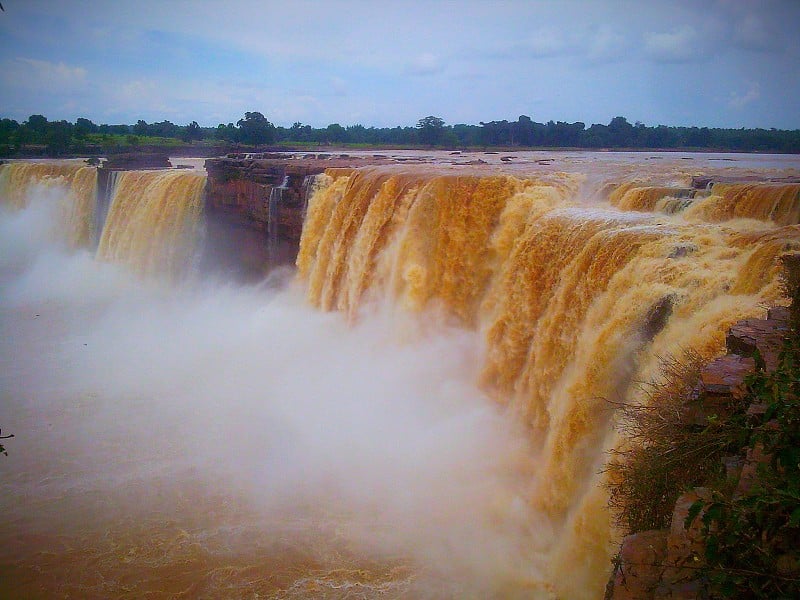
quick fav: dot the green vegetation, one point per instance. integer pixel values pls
(751, 527)
(37, 135)
(753, 537)
(430, 130)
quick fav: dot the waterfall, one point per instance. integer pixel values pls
(564, 296)
(153, 220)
(273, 215)
(19, 182)
(425, 410)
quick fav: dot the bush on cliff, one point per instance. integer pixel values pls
(753, 536)
(751, 524)
(670, 447)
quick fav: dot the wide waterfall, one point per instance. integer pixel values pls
(566, 298)
(423, 409)
(153, 218)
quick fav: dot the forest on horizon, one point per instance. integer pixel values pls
(39, 136)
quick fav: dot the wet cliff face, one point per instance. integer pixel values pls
(254, 214)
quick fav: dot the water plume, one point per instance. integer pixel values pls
(21, 181)
(191, 416)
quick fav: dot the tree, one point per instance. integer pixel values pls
(37, 124)
(523, 130)
(83, 127)
(430, 130)
(621, 132)
(336, 133)
(164, 129)
(228, 132)
(58, 138)
(255, 129)
(140, 128)
(192, 132)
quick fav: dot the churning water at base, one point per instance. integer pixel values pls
(439, 435)
(231, 442)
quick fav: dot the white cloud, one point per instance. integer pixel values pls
(425, 64)
(542, 43)
(676, 46)
(606, 45)
(42, 75)
(738, 101)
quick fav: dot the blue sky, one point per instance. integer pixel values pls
(718, 63)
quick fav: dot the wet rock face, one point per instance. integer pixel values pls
(764, 336)
(254, 209)
(638, 571)
(137, 160)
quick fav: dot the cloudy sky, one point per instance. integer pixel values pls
(721, 63)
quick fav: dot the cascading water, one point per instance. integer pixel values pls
(273, 204)
(445, 438)
(564, 296)
(18, 179)
(153, 220)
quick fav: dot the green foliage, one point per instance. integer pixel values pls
(753, 538)
(751, 526)
(431, 130)
(37, 134)
(192, 132)
(255, 129)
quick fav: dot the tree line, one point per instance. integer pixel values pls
(57, 138)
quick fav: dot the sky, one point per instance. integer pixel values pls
(715, 63)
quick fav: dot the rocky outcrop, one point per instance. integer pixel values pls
(760, 337)
(254, 212)
(667, 564)
(137, 160)
(638, 568)
(255, 207)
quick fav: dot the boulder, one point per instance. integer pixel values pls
(764, 335)
(685, 546)
(638, 569)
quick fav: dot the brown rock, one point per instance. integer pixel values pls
(764, 335)
(721, 385)
(755, 457)
(685, 548)
(725, 375)
(137, 160)
(639, 568)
